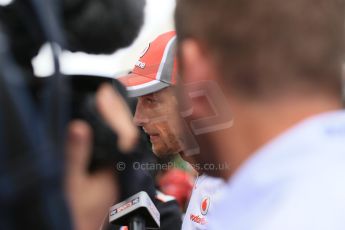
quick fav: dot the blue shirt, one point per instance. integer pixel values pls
(297, 181)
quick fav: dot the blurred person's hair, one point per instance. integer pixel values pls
(269, 46)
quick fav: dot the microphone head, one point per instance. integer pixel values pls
(102, 27)
(139, 204)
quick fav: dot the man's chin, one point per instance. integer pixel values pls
(163, 153)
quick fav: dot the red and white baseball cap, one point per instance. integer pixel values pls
(156, 69)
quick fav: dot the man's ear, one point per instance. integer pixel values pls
(196, 63)
(201, 94)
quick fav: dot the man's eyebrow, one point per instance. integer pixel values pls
(150, 96)
(154, 95)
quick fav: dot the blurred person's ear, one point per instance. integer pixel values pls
(198, 71)
(197, 64)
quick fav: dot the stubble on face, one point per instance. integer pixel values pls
(167, 143)
(162, 116)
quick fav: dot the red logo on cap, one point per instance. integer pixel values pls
(205, 204)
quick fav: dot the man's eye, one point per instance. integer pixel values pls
(150, 100)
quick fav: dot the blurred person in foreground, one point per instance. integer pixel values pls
(153, 81)
(35, 177)
(279, 63)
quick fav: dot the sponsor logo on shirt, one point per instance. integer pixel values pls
(205, 204)
(198, 219)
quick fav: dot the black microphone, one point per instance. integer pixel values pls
(138, 212)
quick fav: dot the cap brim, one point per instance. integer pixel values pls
(138, 85)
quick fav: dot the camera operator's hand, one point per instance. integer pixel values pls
(91, 195)
(116, 113)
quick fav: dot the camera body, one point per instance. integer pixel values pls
(105, 152)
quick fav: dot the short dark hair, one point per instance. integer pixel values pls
(262, 46)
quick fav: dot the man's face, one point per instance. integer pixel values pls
(157, 113)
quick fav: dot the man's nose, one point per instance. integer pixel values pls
(140, 119)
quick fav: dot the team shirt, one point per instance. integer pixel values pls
(200, 204)
(297, 181)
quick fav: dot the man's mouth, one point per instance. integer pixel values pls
(153, 136)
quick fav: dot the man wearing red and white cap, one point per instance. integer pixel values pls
(152, 81)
